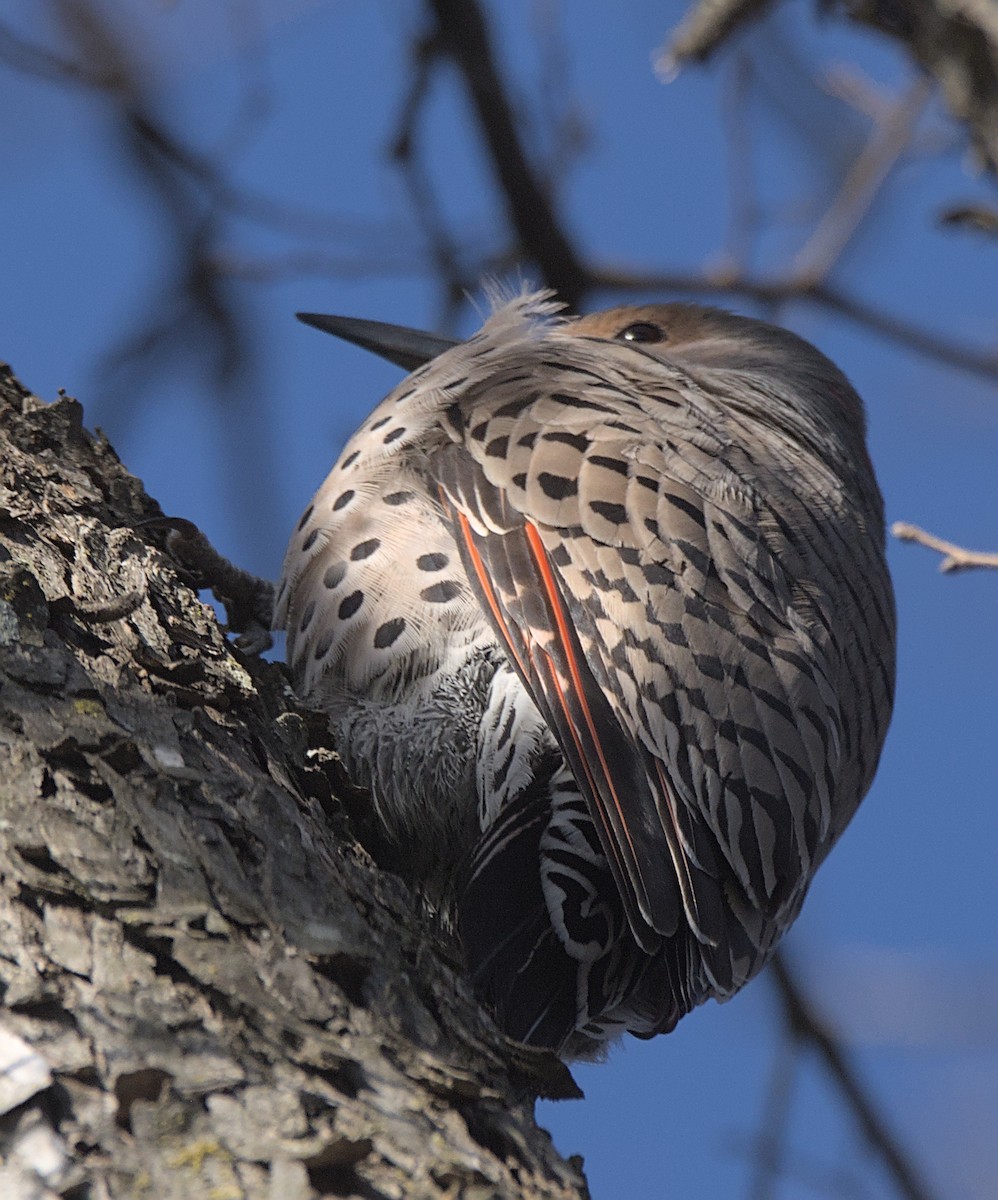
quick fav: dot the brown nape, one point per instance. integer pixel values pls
(680, 323)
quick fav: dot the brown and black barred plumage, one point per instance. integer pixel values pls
(600, 613)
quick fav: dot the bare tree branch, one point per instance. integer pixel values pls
(705, 26)
(978, 218)
(956, 43)
(771, 1147)
(806, 1025)
(444, 252)
(864, 180)
(464, 36)
(956, 558)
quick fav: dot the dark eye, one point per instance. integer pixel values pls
(642, 331)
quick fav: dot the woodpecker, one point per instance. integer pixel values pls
(599, 611)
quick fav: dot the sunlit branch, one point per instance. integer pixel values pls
(955, 558)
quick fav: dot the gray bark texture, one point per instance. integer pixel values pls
(207, 986)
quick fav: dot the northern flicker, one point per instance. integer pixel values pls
(599, 611)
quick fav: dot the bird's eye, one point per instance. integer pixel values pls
(642, 331)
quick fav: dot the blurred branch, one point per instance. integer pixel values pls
(197, 309)
(463, 35)
(956, 558)
(863, 181)
(706, 25)
(957, 43)
(806, 1025)
(24, 56)
(444, 252)
(771, 1148)
(104, 64)
(977, 218)
(744, 210)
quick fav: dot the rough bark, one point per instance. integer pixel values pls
(208, 987)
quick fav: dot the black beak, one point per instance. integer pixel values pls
(407, 348)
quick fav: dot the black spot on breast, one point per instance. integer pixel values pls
(364, 549)
(349, 460)
(305, 516)
(343, 499)
(397, 498)
(323, 644)
(432, 562)
(309, 542)
(350, 604)
(334, 575)
(442, 592)
(380, 423)
(306, 617)
(390, 632)
(393, 435)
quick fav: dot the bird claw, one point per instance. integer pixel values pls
(248, 600)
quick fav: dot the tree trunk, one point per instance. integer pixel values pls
(208, 987)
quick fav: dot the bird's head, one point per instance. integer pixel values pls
(768, 360)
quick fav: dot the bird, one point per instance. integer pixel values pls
(599, 612)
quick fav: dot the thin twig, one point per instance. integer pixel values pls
(804, 1021)
(861, 186)
(956, 558)
(771, 1148)
(443, 247)
(464, 36)
(743, 203)
(704, 27)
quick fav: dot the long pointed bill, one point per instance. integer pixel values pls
(407, 348)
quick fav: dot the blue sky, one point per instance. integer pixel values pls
(898, 941)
